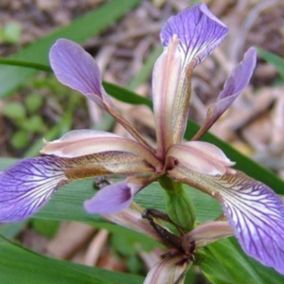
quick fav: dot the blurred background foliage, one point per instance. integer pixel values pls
(123, 36)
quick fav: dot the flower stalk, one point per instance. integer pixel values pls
(178, 205)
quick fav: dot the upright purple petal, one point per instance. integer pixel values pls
(76, 68)
(188, 38)
(198, 31)
(27, 186)
(234, 86)
(112, 198)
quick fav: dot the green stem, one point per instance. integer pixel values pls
(179, 205)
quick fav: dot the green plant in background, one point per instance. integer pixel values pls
(10, 33)
(211, 259)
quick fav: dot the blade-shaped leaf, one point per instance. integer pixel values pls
(273, 59)
(115, 91)
(224, 263)
(79, 30)
(19, 265)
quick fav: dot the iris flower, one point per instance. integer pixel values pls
(254, 212)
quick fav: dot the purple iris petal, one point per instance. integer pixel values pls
(112, 198)
(27, 186)
(76, 68)
(235, 84)
(198, 31)
(257, 215)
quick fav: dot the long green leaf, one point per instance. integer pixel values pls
(115, 91)
(273, 59)
(79, 30)
(144, 73)
(18, 265)
(125, 95)
(224, 263)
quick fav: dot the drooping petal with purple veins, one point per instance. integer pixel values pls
(75, 68)
(257, 215)
(168, 270)
(83, 142)
(198, 30)
(234, 86)
(254, 211)
(188, 38)
(202, 157)
(112, 198)
(27, 187)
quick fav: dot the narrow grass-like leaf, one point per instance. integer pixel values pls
(223, 263)
(79, 30)
(144, 73)
(273, 59)
(25, 64)
(115, 91)
(125, 95)
(19, 265)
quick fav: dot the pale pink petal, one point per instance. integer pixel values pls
(165, 81)
(208, 233)
(167, 271)
(133, 220)
(87, 142)
(202, 157)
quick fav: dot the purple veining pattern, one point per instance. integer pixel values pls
(27, 186)
(111, 199)
(76, 68)
(257, 215)
(198, 30)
